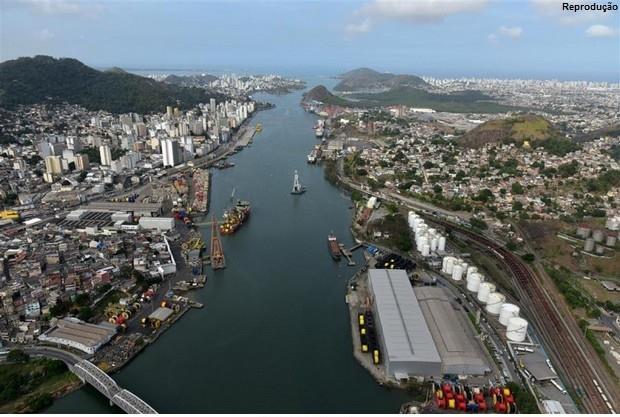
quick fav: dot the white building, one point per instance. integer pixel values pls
(105, 155)
(171, 152)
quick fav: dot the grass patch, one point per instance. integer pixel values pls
(396, 227)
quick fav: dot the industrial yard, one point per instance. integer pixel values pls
(448, 319)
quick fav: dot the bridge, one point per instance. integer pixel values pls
(127, 401)
(102, 382)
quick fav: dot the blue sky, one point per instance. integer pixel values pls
(519, 38)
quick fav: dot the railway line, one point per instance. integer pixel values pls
(591, 385)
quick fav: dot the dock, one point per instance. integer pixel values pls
(347, 254)
(218, 261)
(246, 136)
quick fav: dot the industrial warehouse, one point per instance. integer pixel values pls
(73, 333)
(420, 332)
(460, 352)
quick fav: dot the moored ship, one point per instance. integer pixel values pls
(334, 248)
(234, 217)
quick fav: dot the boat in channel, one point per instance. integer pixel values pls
(297, 187)
(334, 247)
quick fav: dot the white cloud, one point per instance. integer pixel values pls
(420, 11)
(412, 11)
(45, 35)
(357, 28)
(57, 7)
(512, 32)
(601, 31)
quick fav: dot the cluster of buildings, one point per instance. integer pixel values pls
(418, 153)
(236, 85)
(580, 106)
(47, 268)
(65, 155)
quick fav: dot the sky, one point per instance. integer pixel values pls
(444, 38)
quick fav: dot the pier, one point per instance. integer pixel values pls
(218, 261)
(246, 136)
(347, 254)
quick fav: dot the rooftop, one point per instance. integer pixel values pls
(460, 353)
(405, 332)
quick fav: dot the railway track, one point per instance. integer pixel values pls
(590, 384)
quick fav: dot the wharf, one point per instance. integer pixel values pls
(347, 254)
(357, 300)
(246, 136)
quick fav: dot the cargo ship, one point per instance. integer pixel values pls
(234, 217)
(334, 248)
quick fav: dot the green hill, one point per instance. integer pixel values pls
(322, 94)
(366, 79)
(468, 101)
(537, 130)
(43, 79)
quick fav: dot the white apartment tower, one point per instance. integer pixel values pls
(171, 152)
(105, 155)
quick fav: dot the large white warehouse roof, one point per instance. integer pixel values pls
(404, 330)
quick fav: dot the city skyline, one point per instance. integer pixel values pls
(525, 39)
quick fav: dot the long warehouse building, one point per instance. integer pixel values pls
(406, 341)
(460, 351)
(420, 331)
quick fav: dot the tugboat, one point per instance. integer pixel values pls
(235, 217)
(334, 248)
(297, 187)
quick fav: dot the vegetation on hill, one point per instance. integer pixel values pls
(322, 94)
(537, 130)
(370, 88)
(28, 385)
(43, 79)
(366, 79)
(469, 101)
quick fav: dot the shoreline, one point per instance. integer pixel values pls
(151, 339)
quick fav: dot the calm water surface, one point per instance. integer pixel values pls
(274, 335)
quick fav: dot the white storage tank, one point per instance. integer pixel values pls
(372, 201)
(484, 290)
(434, 243)
(457, 272)
(507, 312)
(494, 303)
(450, 264)
(473, 282)
(471, 270)
(516, 330)
(444, 261)
(426, 250)
(441, 246)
